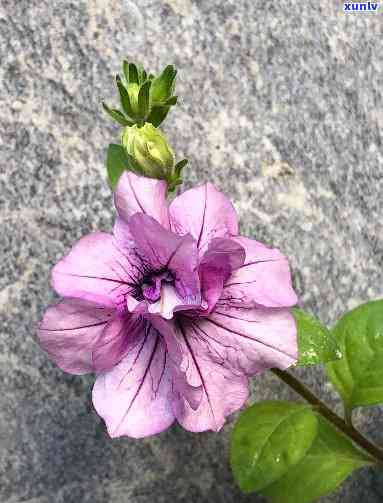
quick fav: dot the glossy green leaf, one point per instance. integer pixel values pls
(124, 97)
(328, 462)
(358, 376)
(116, 163)
(316, 343)
(268, 439)
(163, 86)
(143, 99)
(117, 115)
(157, 115)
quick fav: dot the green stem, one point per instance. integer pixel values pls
(328, 414)
(348, 416)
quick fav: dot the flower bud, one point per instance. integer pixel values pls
(148, 148)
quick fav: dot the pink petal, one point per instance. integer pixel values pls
(122, 235)
(183, 384)
(205, 213)
(161, 249)
(170, 302)
(69, 332)
(119, 336)
(191, 394)
(95, 270)
(138, 194)
(219, 351)
(223, 392)
(248, 340)
(134, 398)
(222, 258)
(264, 279)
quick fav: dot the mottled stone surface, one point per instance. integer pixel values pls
(281, 107)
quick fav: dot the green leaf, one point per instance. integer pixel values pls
(179, 167)
(171, 101)
(133, 74)
(157, 115)
(358, 376)
(117, 115)
(125, 69)
(124, 97)
(144, 99)
(315, 342)
(268, 439)
(116, 163)
(173, 185)
(142, 76)
(328, 462)
(133, 164)
(163, 86)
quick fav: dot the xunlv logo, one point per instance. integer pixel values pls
(367, 6)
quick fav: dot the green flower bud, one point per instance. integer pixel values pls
(150, 151)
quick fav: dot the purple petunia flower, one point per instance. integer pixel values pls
(173, 312)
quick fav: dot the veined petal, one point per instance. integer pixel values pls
(248, 340)
(184, 385)
(205, 213)
(223, 392)
(170, 302)
(69, 332)
(95, 270)
(138, 194)
(264, 278)
(222, 258)
(134, 398)
(118, 337)
(161, 249)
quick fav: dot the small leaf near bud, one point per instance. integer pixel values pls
(117, 115)
(144, 97)
(163, 86)
(158, 115)
(125, 69)
(125, 99)
(176, 177)
(133, 91)
(116, 163)
(133, 74)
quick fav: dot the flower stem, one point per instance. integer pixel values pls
(348, 416)
(328, 414)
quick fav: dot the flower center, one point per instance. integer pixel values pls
(151, 286)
